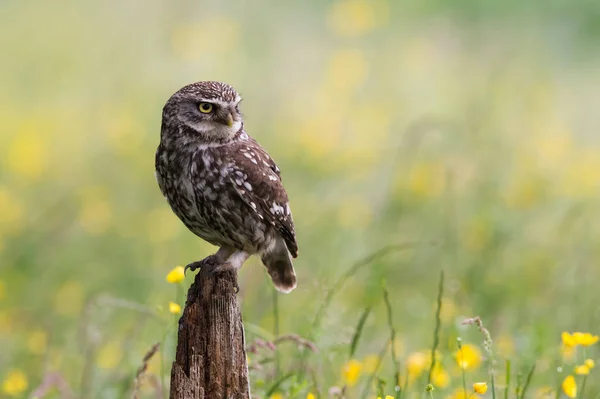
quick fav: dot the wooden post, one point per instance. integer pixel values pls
(211, 357)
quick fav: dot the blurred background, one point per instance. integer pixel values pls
(468, 129)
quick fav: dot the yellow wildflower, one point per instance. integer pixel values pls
(440, 377)
(37, 342)
(353, 18)
(480, 387)
(370, 364)
(351, 371)
(582, 370)
(585, 339)
(590, 363)
(14, 383)
(27, 154)
(416, 363)
(386, 397)
(469, 357)
(460, 394)
(569, 387)
(276, 396)
(580, 177)
(174, 308)
(427, 180)
(176, 275)
(310, 395)
(567, 339)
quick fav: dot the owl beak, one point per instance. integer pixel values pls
(226, 119)
(229, 120)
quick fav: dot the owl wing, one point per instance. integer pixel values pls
(257, 180)
(157, 167)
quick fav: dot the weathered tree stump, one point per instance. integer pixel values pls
(211, 357)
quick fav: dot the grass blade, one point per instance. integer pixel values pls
(259, 331)
(276, 331)
(507, 384)
(583, 386)
(358, 331)
(351, 272)
(277, 384)
(396, 378)
(462, 369)
(436, 332)
(527, 381)
(369, 382)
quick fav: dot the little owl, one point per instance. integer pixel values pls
(222, 184)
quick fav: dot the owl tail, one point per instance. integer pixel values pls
(279, 265)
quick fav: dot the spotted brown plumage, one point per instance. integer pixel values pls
(222, 184)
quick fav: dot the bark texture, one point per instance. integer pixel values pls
(211, 356)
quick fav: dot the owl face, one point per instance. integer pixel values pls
(209, 109)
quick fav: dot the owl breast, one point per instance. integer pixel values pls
(199, 186)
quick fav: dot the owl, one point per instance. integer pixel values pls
(222, 184)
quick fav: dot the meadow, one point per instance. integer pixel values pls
(443, 165)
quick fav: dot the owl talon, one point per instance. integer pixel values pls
(209, 261)
(193, 267)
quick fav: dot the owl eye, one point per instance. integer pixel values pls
(205, 108)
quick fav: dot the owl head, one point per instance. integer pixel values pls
(207, 111)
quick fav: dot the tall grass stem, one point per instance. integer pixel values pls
(396, 364)
(462, 369)
(436, 332)
(528, 381)
(276, 331)
(507, 383)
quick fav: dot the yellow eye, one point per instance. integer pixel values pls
(205, 108)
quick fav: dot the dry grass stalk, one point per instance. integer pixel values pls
(272, 345)
(50, 381)
(142, 370)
